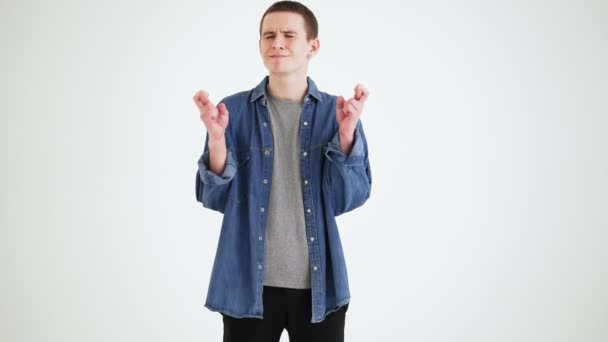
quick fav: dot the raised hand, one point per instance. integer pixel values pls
(349, 111)
(216, 121)
(214, 118)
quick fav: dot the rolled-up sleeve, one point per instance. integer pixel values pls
(347, 180)
(211, 189)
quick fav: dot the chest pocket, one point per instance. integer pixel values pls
(241, 194)
(242, 158)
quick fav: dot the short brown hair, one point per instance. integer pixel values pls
(310, 22)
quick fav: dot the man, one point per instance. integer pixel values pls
(281, 161)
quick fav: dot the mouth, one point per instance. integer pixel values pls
(278, 56)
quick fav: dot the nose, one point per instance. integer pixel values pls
(277, 43)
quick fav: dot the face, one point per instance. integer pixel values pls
(283, 45)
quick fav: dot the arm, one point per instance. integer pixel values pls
(216, 166)
(217, 154)
(347, 179)
(212, 187)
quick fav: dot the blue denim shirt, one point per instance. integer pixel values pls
(332, 184)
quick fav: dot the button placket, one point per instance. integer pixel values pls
(308, 200)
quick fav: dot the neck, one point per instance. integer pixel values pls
(287, 86)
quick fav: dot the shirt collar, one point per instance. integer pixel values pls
(260, 90)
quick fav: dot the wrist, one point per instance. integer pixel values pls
(219, 141)
(346, 141)
(346, 134)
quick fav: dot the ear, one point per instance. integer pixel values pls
(314, 47)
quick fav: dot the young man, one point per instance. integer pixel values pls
(281, 161)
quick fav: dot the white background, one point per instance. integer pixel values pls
(487, 125)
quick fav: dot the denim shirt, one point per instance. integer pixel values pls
(332, 184)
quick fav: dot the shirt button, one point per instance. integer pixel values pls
(260, 267)
(304, 154)
(305, 181)
(265, 181)
(305, 123)
(266, 152)
(265, 124)
(262, 209)
(314, 268)
(260, 238)
(312, 238)
(307, 210)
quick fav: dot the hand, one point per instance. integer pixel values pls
(348, 112)
(215, 119)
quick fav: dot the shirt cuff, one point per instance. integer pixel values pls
(357, 154)
(208, 177)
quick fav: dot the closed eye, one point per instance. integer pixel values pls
(288, 36)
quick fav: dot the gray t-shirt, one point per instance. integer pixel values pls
(286, 256)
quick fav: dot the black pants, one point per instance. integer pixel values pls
(286, 309)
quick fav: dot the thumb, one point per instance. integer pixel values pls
(340, 102)
(222, 109)
(364, 95)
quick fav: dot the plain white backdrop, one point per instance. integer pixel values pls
(487, 125)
